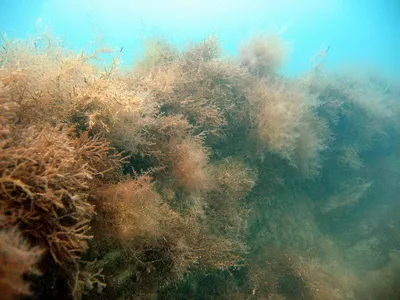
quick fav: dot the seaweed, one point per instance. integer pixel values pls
(195, 175)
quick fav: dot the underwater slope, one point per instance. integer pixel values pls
(194, 175)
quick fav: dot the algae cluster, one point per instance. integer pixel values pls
(194, 175)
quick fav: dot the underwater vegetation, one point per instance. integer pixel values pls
(194, 175)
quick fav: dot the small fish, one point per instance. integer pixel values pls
(327, 49)
(346, 198)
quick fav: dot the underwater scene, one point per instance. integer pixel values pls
(231, 150)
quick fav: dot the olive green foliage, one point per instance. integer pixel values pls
(208, 106)
(195, 175)
(165, 244)
(224, 203)
(263, 54)
(286, 123)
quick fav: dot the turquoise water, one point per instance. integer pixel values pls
(358, 32)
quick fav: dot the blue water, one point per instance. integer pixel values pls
(358, 32)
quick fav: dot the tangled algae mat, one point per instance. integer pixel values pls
(194, 175)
